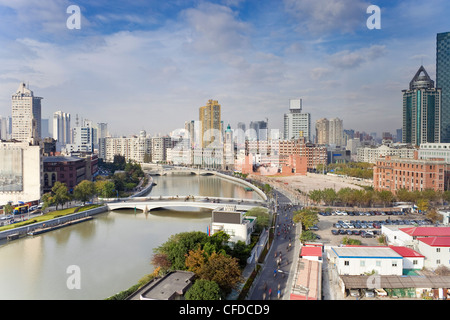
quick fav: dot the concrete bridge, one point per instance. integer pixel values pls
(146, 204)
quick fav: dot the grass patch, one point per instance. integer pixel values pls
(49, 216)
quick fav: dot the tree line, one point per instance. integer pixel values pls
(368, 197)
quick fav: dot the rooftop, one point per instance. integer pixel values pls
(311, 251)
(365, 252)
(406, 252)
(167, 288)
(436, 241)
(427, 231)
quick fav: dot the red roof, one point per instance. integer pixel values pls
(308, 251)
(406, 252)
(427, 231)
(436, 241)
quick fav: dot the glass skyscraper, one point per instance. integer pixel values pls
(443, 81)
(421, 110)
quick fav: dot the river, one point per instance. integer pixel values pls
(98, 258)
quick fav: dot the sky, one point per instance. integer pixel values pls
(150, 65)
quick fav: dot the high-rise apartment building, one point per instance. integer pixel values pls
(296, 123)
(330, 132)
(421, 110)
(134, 148)
(443, 82)
(210, 124)
(26, 115)
(61, 128)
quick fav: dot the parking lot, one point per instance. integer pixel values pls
(364, 226)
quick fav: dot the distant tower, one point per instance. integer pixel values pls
(296, 123)
(210, 123)
(421, 110)
(26, 115)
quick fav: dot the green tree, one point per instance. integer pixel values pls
(307, 217)
(385, 196)
(178, 246)
(84, 191)
(315, 195)
(222, 269)
(203, 289)
(329, 196)
(105, 189)
(60, 194)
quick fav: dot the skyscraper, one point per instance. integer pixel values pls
(443, 82)
(210, 123)
(330, 131)
(421, 110)
(296, 123)
(26, 115)
(61, 128)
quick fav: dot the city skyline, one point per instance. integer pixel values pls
(150, 67)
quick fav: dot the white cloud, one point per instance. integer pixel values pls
(324, 16)
(347, 59)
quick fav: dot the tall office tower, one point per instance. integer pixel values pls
(443, 82)
(421, 110)
(336, 132)
(296, 123)
(210, 124)
(26, 115)
(322, 131)
(61, 128)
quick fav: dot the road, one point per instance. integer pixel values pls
(276, 272)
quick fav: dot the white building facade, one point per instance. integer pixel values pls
(361, 260)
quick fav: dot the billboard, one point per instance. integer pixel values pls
(11, 169)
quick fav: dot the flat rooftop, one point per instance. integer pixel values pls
(365, 252)
(167, 288)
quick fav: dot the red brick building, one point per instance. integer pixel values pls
(393, 173)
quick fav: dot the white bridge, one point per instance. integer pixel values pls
(146, 204)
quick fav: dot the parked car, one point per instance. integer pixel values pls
(349, 232)
(335, 232)
(354, 293)
(369, 293)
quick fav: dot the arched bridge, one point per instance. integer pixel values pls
(149, 203)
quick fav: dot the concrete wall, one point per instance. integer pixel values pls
(25, 229)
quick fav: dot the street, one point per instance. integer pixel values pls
(274, 280)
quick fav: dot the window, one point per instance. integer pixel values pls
(438, 249)
(378, 263)
(362, 263)
(415, 262)
(346, 263)
(394, 263)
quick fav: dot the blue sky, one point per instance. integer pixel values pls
(151, 64)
